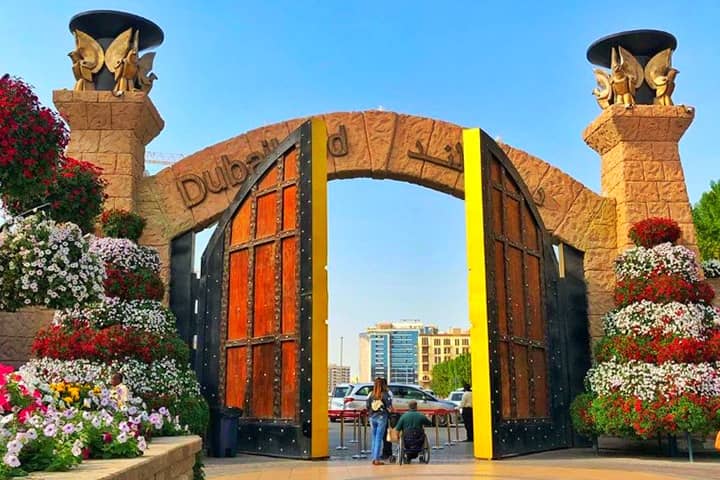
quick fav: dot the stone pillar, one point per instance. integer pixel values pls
(111, 132)
(641, 166)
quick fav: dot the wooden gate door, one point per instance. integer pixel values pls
(265, 304)
(520, 399)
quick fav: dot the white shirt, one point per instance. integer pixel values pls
(466, 401)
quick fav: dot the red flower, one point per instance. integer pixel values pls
(654, 231)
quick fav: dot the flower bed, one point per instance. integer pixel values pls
(711, 268)
(148, 315)
(49, 428)
(123, 254)
(47, 264)
(82, 341)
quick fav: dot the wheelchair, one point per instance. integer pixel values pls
(413, 444)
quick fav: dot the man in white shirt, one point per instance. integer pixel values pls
(467, 412)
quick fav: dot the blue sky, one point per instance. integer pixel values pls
(516, 69)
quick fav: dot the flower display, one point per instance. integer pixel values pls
(137, 285)
(673, 318)
(661, 288)
(122, 224)
(711, 268)
(55, 427)
(47, 264)
(81, 340)
(665, 259)
(123, 254)
(149, 316)
(164, 376)
(32, 140)
(657, 368)
(654, 231)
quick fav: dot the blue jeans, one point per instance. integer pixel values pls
(377, 429)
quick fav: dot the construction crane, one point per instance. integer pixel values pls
(158, 158)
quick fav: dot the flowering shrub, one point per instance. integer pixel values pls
(661, 288)
(648, 381)
(674, 318)
(47, 264)
(631, 416)
(165, 376)
(654, 231)
(46, 428)
(658, 349)
(123, 254)
(105, 345)
(137, 285)
(78, 194)
(147, 315)
(711, 268)
(32, 140)
(662, 259)
(122, 224)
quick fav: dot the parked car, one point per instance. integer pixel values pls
(336, 402)
(456, 397)
(401, 395)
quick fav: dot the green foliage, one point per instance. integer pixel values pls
(450, 375)
(580, 414)
(122, 224)
(706, 216)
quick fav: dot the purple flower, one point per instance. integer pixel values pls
(50, 430)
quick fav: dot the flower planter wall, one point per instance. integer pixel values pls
(168, 458)
(17, 330)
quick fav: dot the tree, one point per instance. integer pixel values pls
(706, 216)
(450, 375)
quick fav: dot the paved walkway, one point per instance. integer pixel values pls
(576, 464)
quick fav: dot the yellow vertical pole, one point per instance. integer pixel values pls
(477, 294)
(319, 427)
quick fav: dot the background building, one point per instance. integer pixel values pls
(337, 374)
(390, 350)
(436, 347)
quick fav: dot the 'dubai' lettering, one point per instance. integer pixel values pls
(194, 188)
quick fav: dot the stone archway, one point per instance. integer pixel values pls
(194, 192)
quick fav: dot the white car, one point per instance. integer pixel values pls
(455, 397)
(401, 395)
(336, 402)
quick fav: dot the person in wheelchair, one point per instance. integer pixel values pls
(412, 435)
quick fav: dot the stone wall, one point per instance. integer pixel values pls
(17, 330)
(167, 458)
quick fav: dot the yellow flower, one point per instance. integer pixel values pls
(60, 387)
(96, 389)
(68, 400)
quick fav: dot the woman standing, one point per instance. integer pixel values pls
(378, 406)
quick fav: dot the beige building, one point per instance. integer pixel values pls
(337, 374)
(436, 347)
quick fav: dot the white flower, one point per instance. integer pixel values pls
(11, 460)
(122, 437)
(50, 430)
(638, 262)
(711, 268)
(77, 448)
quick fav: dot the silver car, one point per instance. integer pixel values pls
(336, 402)
(401, 395)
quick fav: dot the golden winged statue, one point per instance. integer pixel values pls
(121, 58)
(145, 77)
(660, 76)
(626, 77)
(87, 58)
(603, 92)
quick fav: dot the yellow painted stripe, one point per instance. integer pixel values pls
(477, 295)
(319, 430)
